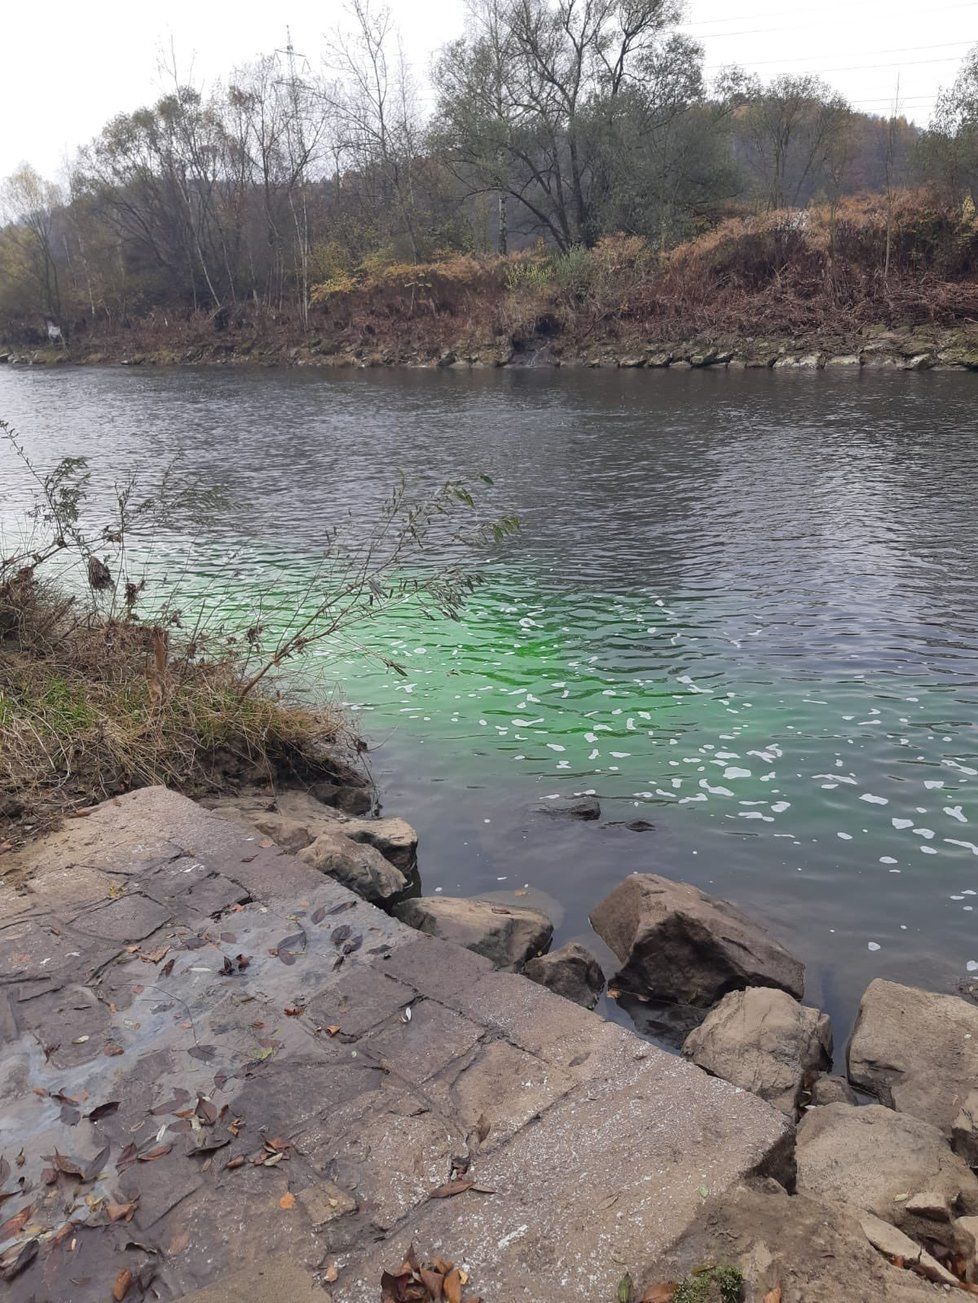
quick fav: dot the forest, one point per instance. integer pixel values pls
(549, 128)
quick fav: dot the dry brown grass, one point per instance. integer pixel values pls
(91, 707)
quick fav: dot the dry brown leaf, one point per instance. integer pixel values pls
(663, 1292)
(333, 1030)
(178, 1243)
(452, 1286)
(773, 1295)
(331, 1273)
(286, 1202)
(118, 1212)
(120, 1287)
(14, 1225)
(433, 1283)
(451, 1188)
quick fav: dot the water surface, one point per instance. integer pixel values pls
(743, 608)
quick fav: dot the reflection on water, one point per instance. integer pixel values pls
(743, 607)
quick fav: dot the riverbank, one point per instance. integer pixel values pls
(907, 349)
(859, 283)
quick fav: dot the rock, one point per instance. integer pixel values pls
(358, 867)
(831, 1090)
(680, 945)
(964, 1130)
(572, 971)
(506, 934)
(919, 362)
(658, 360)
(447, 358)
(394, 838)
(766, 1042)
(705, 358)
(571, 807)
(888, 1164)
(800, 1249)
(345, 796)
(843, 359)
(293, 820)
(892, 1243)
(630, 362)
(918, 1052)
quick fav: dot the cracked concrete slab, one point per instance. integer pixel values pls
(225, 1074)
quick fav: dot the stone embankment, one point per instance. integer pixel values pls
(918, 348)
(244, 1058)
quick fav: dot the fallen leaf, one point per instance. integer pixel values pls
(451, 1188)
(453, 1286)
(286, 1202)
(332, 1273)
(232, 1163)
(773, 1295)
(14, 1225)
(95, 1165)
(178, 1243)
(103, 1110)
(19, 1256)
(119, 1212)
(333, 1029)
(625, 1292)
(663, 1292)
(157, 1151)
(433, 1282)
(121, 1285)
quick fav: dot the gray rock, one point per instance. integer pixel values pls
(765, 1041)
(964, 1130)
(880, 1161)
(358, 867)
(843, 359)
(831, 1090)
(919, 362)
(918, 1052)
(636, 360)
(506, 934)
(572, 971)
(394, 838)
(571, 807)
(677, 944)
(892, 1243)
(292, 819)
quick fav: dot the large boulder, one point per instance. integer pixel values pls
(894, 1166)
(792, 1247)
(358, 867)
(918, 1052)
(394, 838)
(678, 944)
(765, 1041)
(506, 934)
(831, 1090)
(293, 820)
(572, 971)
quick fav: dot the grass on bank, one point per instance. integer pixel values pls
(92, 707)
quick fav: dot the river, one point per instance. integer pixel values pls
(742, 607)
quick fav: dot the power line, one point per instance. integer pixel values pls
(746, 18)
(849, 67)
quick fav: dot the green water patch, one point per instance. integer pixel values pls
(656, 703)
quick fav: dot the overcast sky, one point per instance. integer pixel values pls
(66, 67)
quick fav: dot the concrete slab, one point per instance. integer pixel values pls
(222, 1073)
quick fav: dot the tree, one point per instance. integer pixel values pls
(532, 105)
(795, 130)
(950, 150)
(30, 203)
(378, 124)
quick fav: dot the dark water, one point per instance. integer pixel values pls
(743, 607)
